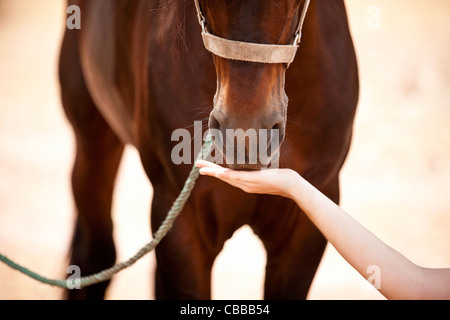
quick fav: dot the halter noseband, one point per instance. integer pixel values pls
(248, 51)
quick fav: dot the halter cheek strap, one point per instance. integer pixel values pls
(248, 51)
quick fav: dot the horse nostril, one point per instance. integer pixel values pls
(214, 123)
(215, 132)
(278, 126)
(275, 136)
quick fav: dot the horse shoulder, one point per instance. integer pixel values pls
(99, 60)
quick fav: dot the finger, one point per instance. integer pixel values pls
(207, 164)
(220, 173)
(248, 187)
(243, 176)
(205, 171)
(233, 178)
(231, 182)
(213, 172)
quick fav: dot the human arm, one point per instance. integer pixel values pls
(400, 278)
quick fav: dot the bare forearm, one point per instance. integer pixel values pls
(400, 278)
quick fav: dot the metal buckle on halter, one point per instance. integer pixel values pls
(203, 25)
(297, 39)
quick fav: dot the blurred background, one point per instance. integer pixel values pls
(395, 181)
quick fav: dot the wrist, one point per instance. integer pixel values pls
(301, 191)
(294, 185)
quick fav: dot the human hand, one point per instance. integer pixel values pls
(270, 181)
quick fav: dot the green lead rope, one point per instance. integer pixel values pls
(107, 274)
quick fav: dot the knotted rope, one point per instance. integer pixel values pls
(107, 274)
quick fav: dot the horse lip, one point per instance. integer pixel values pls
(271, 161)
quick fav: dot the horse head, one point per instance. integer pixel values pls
(250, 99)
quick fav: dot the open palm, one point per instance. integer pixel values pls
(270, 181)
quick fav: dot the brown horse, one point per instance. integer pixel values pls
(138, 70)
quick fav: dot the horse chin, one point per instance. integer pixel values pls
(272, 162)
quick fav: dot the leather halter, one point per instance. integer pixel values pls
(248, 51)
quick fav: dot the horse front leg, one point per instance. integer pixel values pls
(184, 262)
(93, 183)
(294, 247)
(98, 154)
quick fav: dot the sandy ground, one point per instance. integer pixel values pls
(395, 181)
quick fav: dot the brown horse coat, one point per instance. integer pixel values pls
(138, 70)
